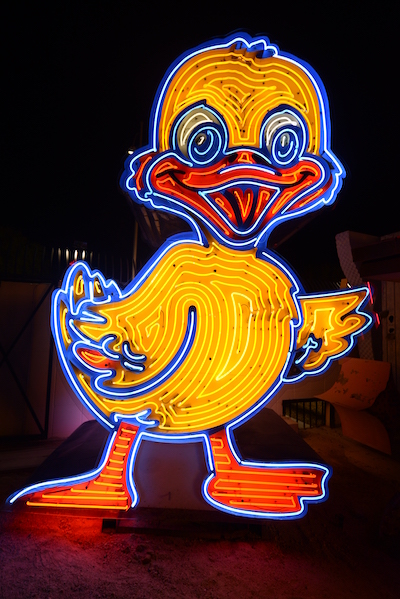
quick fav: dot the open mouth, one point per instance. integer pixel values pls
(242, 204)
(239, 199)
(239, 195)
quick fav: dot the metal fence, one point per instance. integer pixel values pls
(308, 413)
(31, 262)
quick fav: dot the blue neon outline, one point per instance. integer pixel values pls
(131, 356)
(309, 345)
(284, 161)
(209, 154)
(261, 43)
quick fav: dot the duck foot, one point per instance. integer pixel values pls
(271, 490)
(104, 488)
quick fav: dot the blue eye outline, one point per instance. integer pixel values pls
(279, 154)
(284, 122)
(213, 144)
(198, 120)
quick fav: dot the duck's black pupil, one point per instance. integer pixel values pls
(284, 140)
(200, 139)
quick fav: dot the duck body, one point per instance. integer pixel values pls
(204, 335)
(215, 333)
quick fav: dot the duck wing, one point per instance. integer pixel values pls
(331, 323)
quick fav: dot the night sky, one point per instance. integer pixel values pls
(80, 79)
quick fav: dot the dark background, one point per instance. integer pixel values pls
(80, 79)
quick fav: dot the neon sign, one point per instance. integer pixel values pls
(216, 322)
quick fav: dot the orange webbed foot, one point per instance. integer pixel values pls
(266, 490)
(106, 487)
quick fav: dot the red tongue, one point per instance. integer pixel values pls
(244, 200)
(241, 204)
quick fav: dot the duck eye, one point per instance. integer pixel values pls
(199, 135)
(284, 138)
(285, 146)
(204, 144)
(200, 139)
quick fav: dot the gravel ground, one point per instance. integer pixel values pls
(347, 547)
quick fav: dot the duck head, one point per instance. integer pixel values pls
(239, 142)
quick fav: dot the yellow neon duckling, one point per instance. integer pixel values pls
(213, 326)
